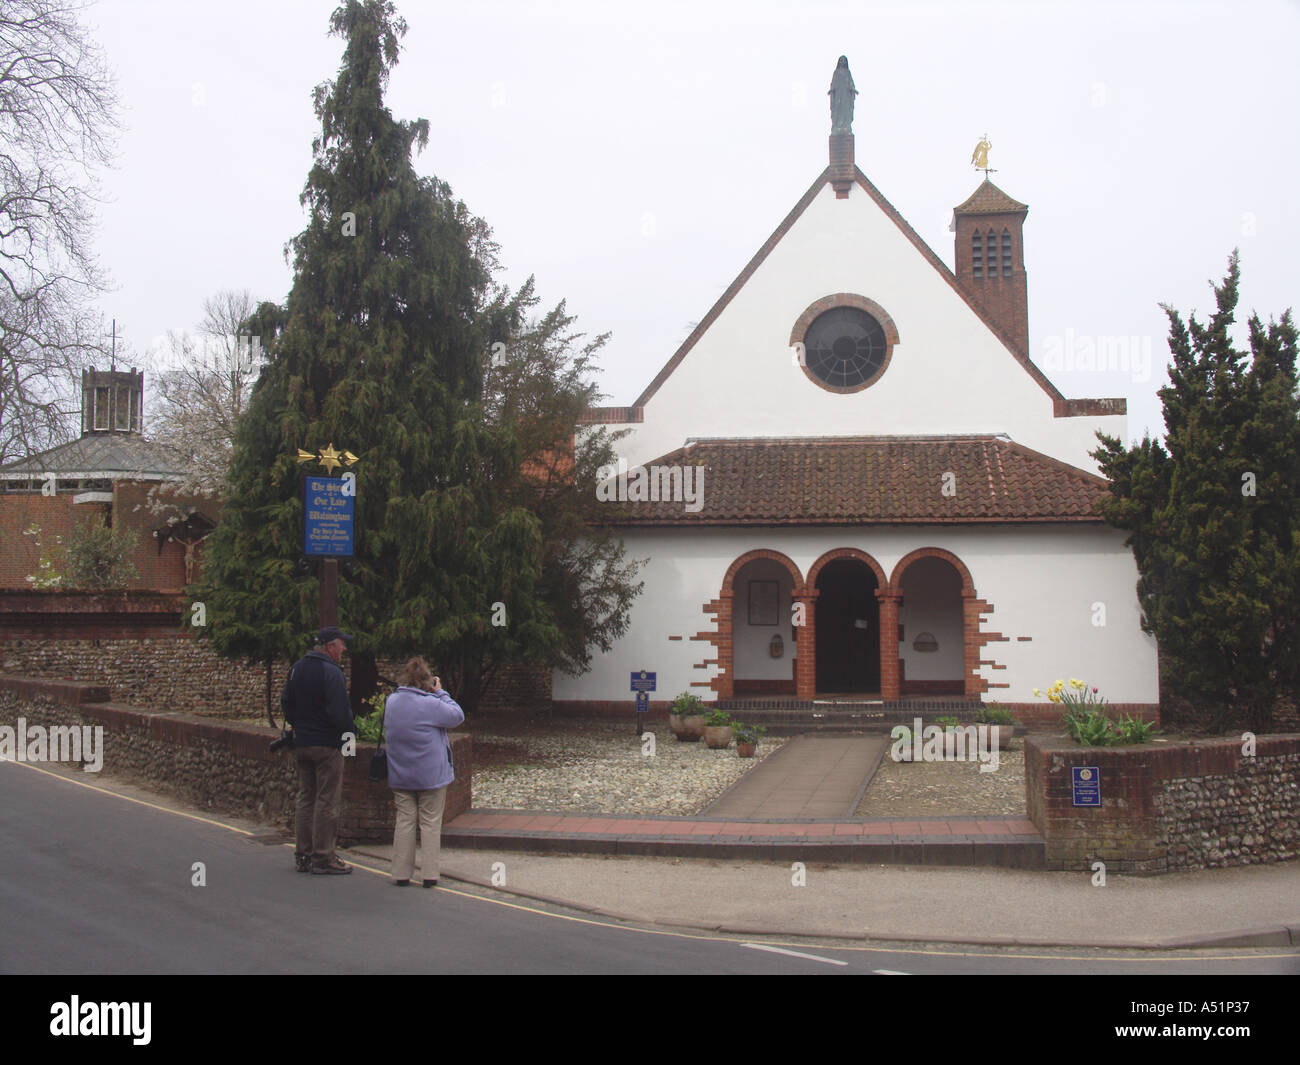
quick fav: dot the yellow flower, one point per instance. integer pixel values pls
(1037, 692)
(1076, 683)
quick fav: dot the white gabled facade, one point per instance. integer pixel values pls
(907, 585)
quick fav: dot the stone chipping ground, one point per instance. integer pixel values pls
(599, 767)
(590, 767)
(935, 789)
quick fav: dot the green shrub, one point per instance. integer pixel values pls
(717, 718)
(947, 722)
(1090, 727)
(370, 726)
(687, 705)
(99, 557)
(746, 733)
(992, 714)
(1134, 730)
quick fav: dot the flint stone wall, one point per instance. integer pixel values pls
(185, 674)
(217, 765)
(1167, 807)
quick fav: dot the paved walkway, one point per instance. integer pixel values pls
(810, 777)
(1254, 906)
(796, 805)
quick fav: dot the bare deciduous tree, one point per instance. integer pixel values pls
(58, 113)
(197, 402)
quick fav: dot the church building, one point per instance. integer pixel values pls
(851, 482)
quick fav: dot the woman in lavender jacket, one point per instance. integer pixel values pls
(416, 719)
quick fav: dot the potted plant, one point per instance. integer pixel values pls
(746, 738)
(948, 723)
(717, 729)
(686, 718)
(1002, 727)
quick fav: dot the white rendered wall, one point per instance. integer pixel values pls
(1070, 588)
(949, 374)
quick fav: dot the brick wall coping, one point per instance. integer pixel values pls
(93, 703)
(53, 601)
(72, 692)
(1165, 761)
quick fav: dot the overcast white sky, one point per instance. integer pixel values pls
(634, 160)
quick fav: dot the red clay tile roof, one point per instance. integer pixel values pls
(871, 480)
(989, 199)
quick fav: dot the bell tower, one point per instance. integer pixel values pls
(112, 401)
(990, 258)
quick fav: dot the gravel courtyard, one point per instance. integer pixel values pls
(599, 767)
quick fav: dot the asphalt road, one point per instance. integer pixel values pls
(96, 883)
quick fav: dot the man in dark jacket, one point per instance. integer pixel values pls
(315, 703)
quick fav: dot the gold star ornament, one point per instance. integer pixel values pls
(330, 459)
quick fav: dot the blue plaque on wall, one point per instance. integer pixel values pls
(1085, 782)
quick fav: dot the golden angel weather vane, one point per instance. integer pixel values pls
(980, 156)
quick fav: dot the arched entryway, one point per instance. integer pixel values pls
(847, 613)
(764, 640)
(936, 656)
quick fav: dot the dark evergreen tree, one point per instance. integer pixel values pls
(381, 349)
(1215, 519)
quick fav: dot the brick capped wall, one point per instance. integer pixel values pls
(57, 516)
(216, 765)
(1167, 807)
(136, 644)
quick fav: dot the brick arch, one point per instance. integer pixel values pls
(728, 581)
(722, 608)
(967, 585)
(882, 584)
(974, 638)
(807, 665)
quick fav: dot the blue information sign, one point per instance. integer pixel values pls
(643, 681)
(642, 702)
(328, 529)
(1086, 783)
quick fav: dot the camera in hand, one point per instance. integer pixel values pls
(285, 741)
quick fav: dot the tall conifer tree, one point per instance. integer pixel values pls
(1215, 519)
(390, 318)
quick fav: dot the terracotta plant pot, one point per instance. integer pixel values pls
(717, 736)
(687, 729)
(746, 750)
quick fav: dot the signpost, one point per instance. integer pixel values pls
(643, 683)
(328, 528)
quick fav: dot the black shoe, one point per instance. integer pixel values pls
(431, 883)
(401, 883)
(302, 862)
(334, 867)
